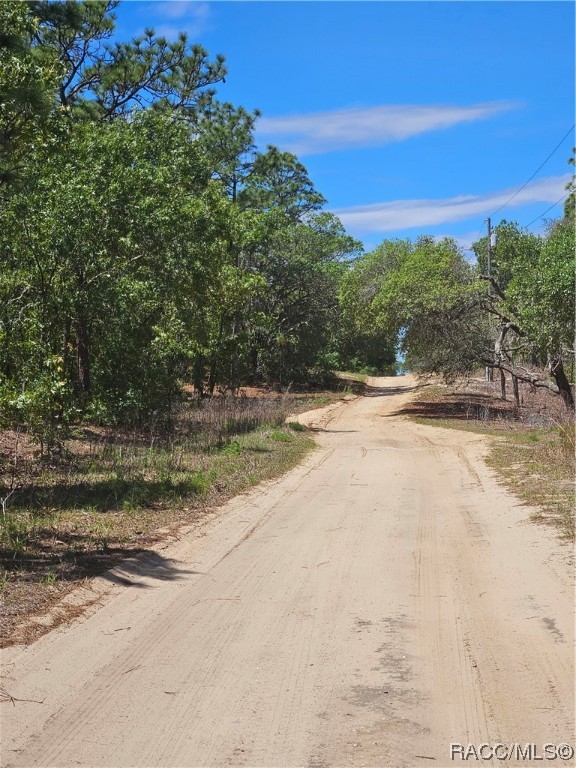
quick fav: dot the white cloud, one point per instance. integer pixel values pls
(177, 16)
(404, 214)
(320, 132)
(169, 31)
(179, 9)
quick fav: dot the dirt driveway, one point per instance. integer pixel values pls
(385, 599)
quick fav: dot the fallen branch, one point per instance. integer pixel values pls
(5, 696)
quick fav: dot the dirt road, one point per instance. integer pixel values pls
(384, 600)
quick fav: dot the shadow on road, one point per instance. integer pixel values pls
(386, 391)
(147, 564)
(462, 407)
(75, 559)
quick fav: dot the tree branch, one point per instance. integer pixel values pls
(494, 285)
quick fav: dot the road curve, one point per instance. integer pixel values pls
(381, 601)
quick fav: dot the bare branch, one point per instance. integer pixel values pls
(494, 285)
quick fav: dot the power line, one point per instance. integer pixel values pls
(562, 140)
(547, 209)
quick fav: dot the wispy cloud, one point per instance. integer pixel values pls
(170, 17)
(320, 132)
(406, 214)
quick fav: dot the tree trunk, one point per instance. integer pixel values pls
(82, 351)
(67, 347)
(254, 363)
(199, 376)
(559, 374)
(212, 380)
(502, 384)
(516, 390)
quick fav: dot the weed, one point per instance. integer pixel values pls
(231, 449)
(50, 577)
(319, 400)
(199, 483)
(16, 533)
(279, 436)
(295, 426)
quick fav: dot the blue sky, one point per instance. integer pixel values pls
(411, 117)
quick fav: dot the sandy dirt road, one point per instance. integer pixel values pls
(384, 600)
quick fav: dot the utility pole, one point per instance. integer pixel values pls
(489, 371)
(489, 247)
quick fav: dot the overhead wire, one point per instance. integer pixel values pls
(526, 226)
(562, 140)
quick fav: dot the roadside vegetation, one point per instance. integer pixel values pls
(532, 447)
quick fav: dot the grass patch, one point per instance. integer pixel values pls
(295, 426)
(110, 493)
(532, 447)
(539, 467)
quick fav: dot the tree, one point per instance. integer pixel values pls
(570, 202)
(28, 81)
(437, 305)
(299, 253)
(225, 133)
(515, 249)
(278, 181)
(104, 80)
(421, 295)
(148, 241)
(287, 255)
(531, 295)
(296, 314)
(122, 267)
(538, 308)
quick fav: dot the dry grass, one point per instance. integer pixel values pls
(111, 494)
(538, 465)
(533, 447)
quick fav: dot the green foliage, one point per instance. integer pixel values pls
(570, 202)
(514, 250)
(295, 426)
(278, 181)
(45, 404)
(130, 264)
(363, 350)
(302, 265)
(121, 268)
(232, 448)
(280, 437)
(541, 292)
(28, 82)
(102, 80)
(536, 277)
(424, 295)
(421, 296)
(225, 134)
